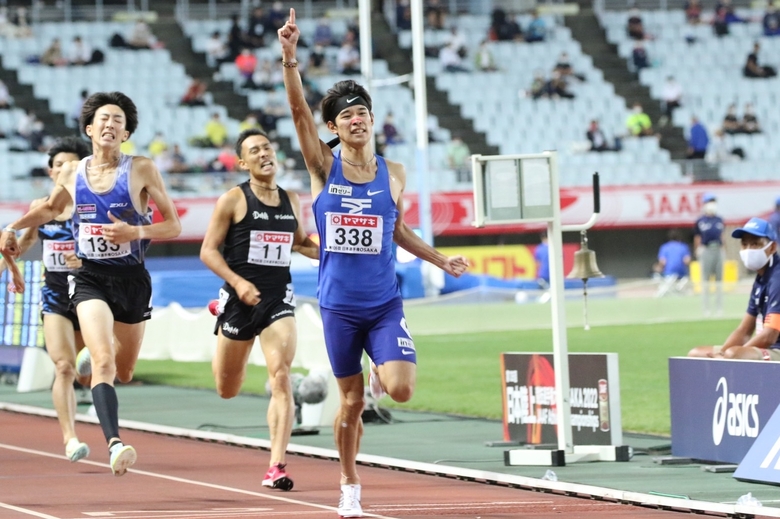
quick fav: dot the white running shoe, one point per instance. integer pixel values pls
(122, 457)
(76, 450)
(84, 363)
(374, 384)
(349, 504)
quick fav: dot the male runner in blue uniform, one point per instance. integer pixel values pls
(60, 323)
(358, 207)
(110, 193)
(257, 222)
(758, 335)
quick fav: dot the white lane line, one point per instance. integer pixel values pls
(224, 515)
(26, 511)
(187, 481)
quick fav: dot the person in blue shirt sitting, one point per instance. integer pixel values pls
(674, 257)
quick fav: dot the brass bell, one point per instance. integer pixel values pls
(585, 268)
(584, 262)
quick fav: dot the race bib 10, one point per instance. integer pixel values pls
(54, 252)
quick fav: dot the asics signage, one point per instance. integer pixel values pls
(719, 407)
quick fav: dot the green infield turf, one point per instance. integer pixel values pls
(459, 346)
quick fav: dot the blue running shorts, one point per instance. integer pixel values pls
(380, 331)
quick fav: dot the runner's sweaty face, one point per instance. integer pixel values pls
(108, 126)
(58, 161)
(259, 157)
(355, 125)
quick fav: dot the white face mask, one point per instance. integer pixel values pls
(754, 259)
(710, 208)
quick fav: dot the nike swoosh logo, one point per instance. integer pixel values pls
(350, 100)
(407, 352)
(372, 193)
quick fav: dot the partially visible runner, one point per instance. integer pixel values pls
(257, 222)
(112, 291)
(60, 324)
(359, 210)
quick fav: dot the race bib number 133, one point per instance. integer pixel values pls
(93, 245)
(353, 233)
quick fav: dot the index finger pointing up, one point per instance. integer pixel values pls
(292, 15)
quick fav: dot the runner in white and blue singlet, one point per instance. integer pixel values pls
(358, 207)
(60, 324)
(110, 194)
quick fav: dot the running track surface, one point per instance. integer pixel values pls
(180, 478)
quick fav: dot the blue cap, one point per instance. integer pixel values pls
(777, 201)
(707, 197)
(756, 227)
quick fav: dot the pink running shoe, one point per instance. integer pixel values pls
(214, 307)
(276, 477)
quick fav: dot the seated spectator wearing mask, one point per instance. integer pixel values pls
(758, 254)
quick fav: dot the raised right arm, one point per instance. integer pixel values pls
(316, 153)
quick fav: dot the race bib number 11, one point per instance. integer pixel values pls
(93, 245)
(353, 233)
(270, 248)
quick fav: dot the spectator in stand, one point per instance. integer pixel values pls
(434, 14)
(458, 40)
(458, 158)
(536, 30)
(323, 34)
(718, 151)
(753, 69)
(698, 140)
(216, 131)
(75, 113)
(693, 11)
(634, 27)
(557, 86)
(80, 53)
(639, 56)
(227, 158)
(390, 132)
(276, 18)
(312, 95)
(564, 68)
(671, 98)
(141, 37)
(638, 123)
(503, 28)
(598, 141)
(53, 55)
(195, 94)
(348, 59)
(246, 63)
(256, 33)
(216, 50)
(730, 122)
(236, 39)
(771, 21)
(539, 86)
(21, 24)
(263, 78)
(157, 145)
(275, 109)
(178, 163)
(5, 97)
(403, 15)
(249, 123)
(30, 129)
(450, 59)
(749, 120)
(483, 58)
(725, 16)
(318, 65)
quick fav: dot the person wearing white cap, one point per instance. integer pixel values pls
(708, 244)
(759, 254)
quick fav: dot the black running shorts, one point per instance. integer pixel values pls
(241, 322)
(127, 290)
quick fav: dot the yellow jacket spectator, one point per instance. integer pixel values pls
(216, 131)
(639, 123)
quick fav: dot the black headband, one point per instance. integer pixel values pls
(348, 101)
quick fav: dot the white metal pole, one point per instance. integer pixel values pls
(421, 121)
(366, 48)
(560, 342)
